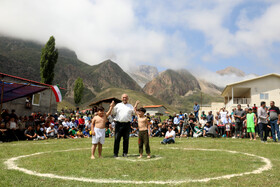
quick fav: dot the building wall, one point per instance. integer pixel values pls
(154, 111)
(270, 85)
(45, 106)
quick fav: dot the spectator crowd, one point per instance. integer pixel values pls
(228, 124)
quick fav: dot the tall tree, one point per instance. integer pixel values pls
(48, 60)
(78, 90)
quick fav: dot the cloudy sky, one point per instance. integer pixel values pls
(206, 35)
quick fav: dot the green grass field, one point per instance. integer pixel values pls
(169, 163)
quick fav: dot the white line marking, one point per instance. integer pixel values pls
(156, 157)
(11, 164)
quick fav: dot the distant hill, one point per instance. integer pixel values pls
(231, 71)
(143, 74)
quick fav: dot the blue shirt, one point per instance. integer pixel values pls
(196, 108)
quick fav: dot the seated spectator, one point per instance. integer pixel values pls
(12, 129)
(3, 131)
(30, 134)
(80, 133)
(192, 122)
(155, 132)
(206, 129)
(51, 131)
(169, 136)
(72, 132)
(73, 123)
(213, 131)
(21, 127)
(177, 130)
(86, 133)
(197, 131)
(185, 131)
(60, 132)
(40, 133)
(134, 130)
(163, 130)
(203, 121)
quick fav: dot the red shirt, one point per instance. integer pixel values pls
(81, 121)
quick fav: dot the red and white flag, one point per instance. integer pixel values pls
(57, 93)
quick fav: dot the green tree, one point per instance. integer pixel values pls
(48, 60)
(78, 90)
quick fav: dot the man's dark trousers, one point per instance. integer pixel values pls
(263, 128)
(121, 130)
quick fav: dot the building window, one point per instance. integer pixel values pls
(264, 96)
(36, 99)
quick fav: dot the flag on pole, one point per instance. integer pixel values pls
(57, 93)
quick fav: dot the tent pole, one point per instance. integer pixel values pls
(2, 95)
(50, 101)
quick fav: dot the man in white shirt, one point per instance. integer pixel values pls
(123, 115)
(169, 136)
(51, 131)
(176, 119)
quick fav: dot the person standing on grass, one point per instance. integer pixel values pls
(262, 121)
(144, 130)
(196, 108)
(98, 129)
(251, 122)
(123, 112)
(274, 119)
(239, 116)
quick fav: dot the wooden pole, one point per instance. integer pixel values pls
(50, 101)
(2, 95)
(201, 101)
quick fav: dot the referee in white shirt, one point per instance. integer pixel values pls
(123, 112)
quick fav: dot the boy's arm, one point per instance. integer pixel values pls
(256, 120)
(135, 106)
(111, 108)
(92, 127)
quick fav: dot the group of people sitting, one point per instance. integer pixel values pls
(237, 124)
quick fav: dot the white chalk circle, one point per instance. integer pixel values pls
(11, 164)
(133, 158)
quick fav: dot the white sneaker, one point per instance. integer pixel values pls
(233, 137)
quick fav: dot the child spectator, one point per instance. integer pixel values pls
(107, 132)
(80, 133)
(197, 131)
(72, 132)
(86, 133)
(251, 122)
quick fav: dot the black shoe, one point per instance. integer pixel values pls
(115, 156)
(125, 155)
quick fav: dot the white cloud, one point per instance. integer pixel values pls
(95, 30)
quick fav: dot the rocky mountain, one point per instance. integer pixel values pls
(22, 58)
(231, 71)
(180, 89)
(209, 88)
(143, 74)
(171, 82)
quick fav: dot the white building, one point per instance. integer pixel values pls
(253, 91)
(154, 110)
